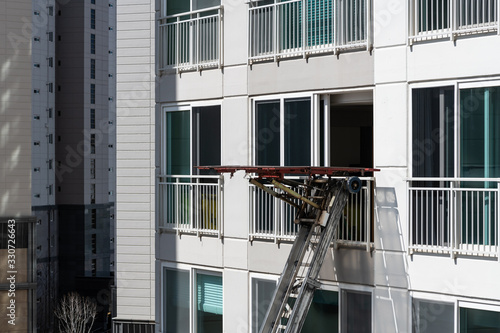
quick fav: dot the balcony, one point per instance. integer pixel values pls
(273, 219)
(456, 216)
(191, 204)
(435, 19)
(190, 41)
(301, 28)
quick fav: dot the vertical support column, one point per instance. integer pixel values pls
(454, 220)
(486, 219)
(368, 213)
(315, 133)
(326, 129)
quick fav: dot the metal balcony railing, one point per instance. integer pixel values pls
(191, 41)
(191, 204)
(433, 19)
(454, 215)
(271, 218)
(303, 27)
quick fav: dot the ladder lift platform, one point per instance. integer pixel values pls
(320, 203)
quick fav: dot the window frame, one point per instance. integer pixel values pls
(163, 7)
(193, 270)
(189, 108)
(343, 287)
(251, 277)
(458, 302)
(458, 85)
(314, 118)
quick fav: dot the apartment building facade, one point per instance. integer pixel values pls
(84, 138)
(410, 88)
(17, 227)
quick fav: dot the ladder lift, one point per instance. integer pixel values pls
(322, 198)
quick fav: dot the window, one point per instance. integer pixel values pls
(92, 2)
(432, 316)
(205, 139)
(92, 168)
(283, 132)
(450, 143)
(433, 132)
(262, 293)
(94, 267)
(92, 18)
(92, 93)
(94, 243)
(92, 68)
(356, 312)
(92, 193)
(322, 317)
(92, 43)
(92, 143)
(51, 36)
(477, 321)
(93, 218)
(203, 301)
(92, 118)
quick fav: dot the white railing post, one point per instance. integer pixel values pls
(220, 37)
(176, 207)
(368, 214)
(453, 220)
(177, 45)
(368, 25)
(274, 33)
(497, 214)
(303, 8)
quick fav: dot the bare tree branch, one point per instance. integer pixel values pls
(76, 313)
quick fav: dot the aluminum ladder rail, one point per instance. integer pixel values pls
(281, 317)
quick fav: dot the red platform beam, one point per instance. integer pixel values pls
(279, 172)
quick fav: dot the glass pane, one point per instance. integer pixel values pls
(356, 312)
(176, 301)
(262, 293)
(206, 136)
(323, 315)
(432, 317)
(479, 146)
(177, 145)
(480, 132)
(177, 7)
(209, 303)
(479, 321)
(201, 4)
(297, 132)
(267, 133)
(433, 132)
